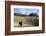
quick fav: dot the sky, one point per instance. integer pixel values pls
(26, 11)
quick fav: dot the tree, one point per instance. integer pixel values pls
(35, 22)
(33, 14)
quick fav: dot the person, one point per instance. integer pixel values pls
(20, 23)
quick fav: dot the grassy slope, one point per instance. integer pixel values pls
(17, 18)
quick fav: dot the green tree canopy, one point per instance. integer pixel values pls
(33, 14)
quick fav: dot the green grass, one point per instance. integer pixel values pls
(19, 18)
(23, 25)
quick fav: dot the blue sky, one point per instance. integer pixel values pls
(26, 11)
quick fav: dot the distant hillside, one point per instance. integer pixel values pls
(32, 14)
(17, 14)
